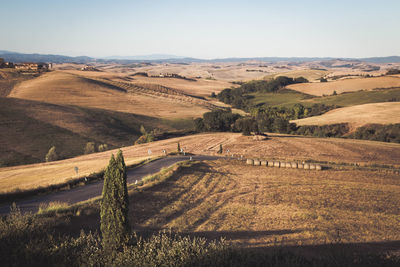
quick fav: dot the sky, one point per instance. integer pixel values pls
(202, 29)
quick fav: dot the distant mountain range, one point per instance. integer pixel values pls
(157, 58)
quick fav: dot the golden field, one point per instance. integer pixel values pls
(346, 85)
(356, 116)
(256, 206)
(281, 147)
(64, 88)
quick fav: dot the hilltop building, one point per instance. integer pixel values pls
(32, 66)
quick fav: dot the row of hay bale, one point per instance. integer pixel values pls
(284, 164)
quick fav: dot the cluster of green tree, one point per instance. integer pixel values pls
(379, 132)
(146, 136)
(238, 98)
(90, 148)
(226, 121)
(393, 72)
(331, 130)
(298, 111)
(217, 121)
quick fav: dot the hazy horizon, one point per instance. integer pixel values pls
(205, 30)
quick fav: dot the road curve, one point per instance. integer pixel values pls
(94, 189)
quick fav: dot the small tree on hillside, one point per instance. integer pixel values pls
(179, 148)
(142, 130)
(51, 155)
(220, 149)
(90, 148)
(114, 224)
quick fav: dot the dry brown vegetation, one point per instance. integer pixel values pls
(69, 89)
(282, 147)
(347, 85)
(261, 206)
(356, 116)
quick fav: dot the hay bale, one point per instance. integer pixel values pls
(288, 165)
(312, 166)
(306, 166)
(318, 167)
(249, 161)
(294, 165)
(277, 164)
(283, 164)
(257, 162)
(300, 165)
(270, 163)
(264, 163)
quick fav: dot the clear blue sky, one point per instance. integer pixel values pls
(203, 29)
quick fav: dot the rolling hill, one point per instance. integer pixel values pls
(282, 147)
(64, 88)
(29, 128)
(356, 116)
(346, 85)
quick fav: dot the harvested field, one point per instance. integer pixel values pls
(69, 89)
(309, 74)
(356, 116)
(347, 85)
(260, 206)
(198, 87)
(279, 147)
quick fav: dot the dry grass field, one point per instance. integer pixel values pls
(356, 116)
(260, 206)
(309, 74)
(347, 85)
(283, 147)
(69, 89)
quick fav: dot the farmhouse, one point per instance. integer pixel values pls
(32, 66)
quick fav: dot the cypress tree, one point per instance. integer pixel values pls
(179, 148)
(114, 224)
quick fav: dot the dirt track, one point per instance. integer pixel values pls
(94, 189)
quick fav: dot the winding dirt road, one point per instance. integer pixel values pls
(94, 189)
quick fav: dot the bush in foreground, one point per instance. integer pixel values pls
(31, 240)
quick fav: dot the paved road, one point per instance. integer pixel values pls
(94, 189)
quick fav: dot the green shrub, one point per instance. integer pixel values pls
(51, 155)
(89, 148)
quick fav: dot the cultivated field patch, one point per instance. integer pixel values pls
(256, 206)
(359, 115)
(347, 85)
(279, 147)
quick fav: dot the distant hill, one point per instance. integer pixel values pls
(392, 59)
(145, 57)
(157, 58)
(19, 57)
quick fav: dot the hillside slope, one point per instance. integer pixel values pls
(283, 147)
(347, 85)
(29, 128)
(359, 115)
(63, 88)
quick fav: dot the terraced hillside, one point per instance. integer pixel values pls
(69, 89)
